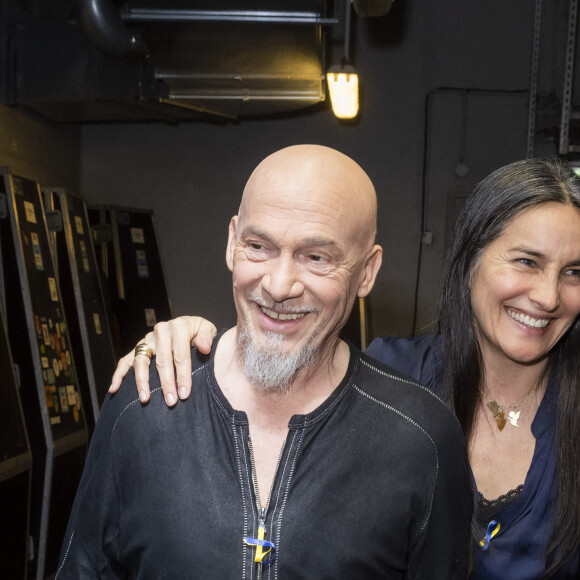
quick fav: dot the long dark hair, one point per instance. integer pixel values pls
(493, 204)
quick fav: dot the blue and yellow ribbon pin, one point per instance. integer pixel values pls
(260, 544)
(492, 530)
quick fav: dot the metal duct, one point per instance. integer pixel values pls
(201, 67)
(103, 25)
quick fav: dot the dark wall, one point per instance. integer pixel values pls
(42, 151)
(192, 175)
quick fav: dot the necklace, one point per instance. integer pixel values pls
(499, 410)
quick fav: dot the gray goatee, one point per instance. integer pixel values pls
(270, 369)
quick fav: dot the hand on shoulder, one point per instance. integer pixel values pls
(170, 342)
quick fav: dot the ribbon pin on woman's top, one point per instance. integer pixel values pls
(492, 531)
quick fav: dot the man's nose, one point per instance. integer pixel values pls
(282, 278)
(546, 291)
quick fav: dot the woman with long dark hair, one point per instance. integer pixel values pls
(552, 390)
(505, 357)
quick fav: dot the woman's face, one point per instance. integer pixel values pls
(525, 291)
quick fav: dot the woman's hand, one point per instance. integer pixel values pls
(171, 343)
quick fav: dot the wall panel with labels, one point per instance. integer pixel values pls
(15, 468)
(131, 262)
(85, 307)
(41, 347)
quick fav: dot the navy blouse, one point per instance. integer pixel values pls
(517, 551)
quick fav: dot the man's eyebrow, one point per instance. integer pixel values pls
(312, 242)
(317, 242)
(536, 254)
(256, 232)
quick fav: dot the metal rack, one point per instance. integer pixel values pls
(568, 113)
(41, 347)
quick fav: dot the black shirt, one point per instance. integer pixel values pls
(374, 483)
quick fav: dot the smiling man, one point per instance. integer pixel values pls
(296, 456)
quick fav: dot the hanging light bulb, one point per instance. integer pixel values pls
(342, 81)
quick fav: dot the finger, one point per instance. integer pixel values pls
(141, 364)
(203, 335)
(164, 361)
(183, 333)
(187, 331)
(122, 369)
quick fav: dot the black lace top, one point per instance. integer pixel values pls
(487, 509)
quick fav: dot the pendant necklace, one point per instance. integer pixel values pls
(498, 410)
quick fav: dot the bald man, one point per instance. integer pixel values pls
(296, 456)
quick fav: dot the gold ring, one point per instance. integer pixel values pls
(144, 348)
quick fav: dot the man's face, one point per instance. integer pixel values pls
(299, 260)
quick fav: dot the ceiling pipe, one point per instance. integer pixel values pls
(103, 25)
(270, 16)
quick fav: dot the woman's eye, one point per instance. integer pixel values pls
(527, 262)
(572, 273)
(315, 258)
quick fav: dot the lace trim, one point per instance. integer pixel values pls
(488, 508)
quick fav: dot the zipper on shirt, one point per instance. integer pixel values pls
(262, 511)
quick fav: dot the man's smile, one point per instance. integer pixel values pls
(282, 315)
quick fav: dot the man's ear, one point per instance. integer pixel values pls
(372, 266)
(231, 243)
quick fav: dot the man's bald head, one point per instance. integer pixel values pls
(317, 174)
